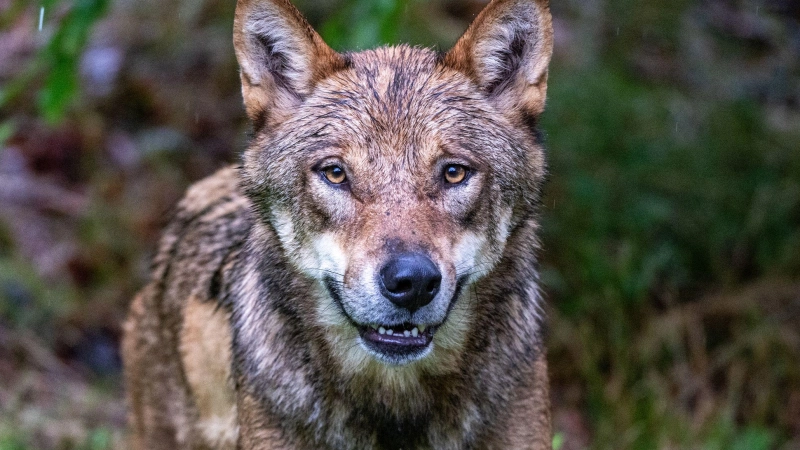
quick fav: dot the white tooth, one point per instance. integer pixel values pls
(406, 333)
(374, 327)
(421, 328)
(390, 332)
(382, 330)
(415, 332)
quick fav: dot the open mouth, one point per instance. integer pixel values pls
(398, 340)
(399, 343)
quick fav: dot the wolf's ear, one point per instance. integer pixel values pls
(281, 57)
(506, 50)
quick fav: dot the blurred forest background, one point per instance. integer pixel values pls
(671, 221)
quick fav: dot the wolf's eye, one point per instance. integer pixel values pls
(455, 173)
(334, 174)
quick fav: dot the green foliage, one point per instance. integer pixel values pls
(361, 24)
(646, 196)
(725, 436)
(58, 61)
(96, 439)
(6, 131)
(558, 441)
(62, 55)
(99, 439)
(11, 442)
(655, 197)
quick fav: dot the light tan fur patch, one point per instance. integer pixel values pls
(205, 348)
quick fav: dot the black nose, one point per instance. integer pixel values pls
(410, 280)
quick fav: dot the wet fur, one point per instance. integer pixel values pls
(267, 261)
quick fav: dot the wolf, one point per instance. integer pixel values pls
(366, 277)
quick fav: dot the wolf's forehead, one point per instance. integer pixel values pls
(395, 97)
(395, 83)
(395, 66)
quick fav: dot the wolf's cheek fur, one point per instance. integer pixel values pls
(318, 255)
(331, 258)
(285, 229)
(475, 254)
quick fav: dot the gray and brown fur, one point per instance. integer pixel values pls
(245, 336)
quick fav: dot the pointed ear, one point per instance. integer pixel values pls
(281, 58)
(506, 51)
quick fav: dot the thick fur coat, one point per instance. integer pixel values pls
(259, 327)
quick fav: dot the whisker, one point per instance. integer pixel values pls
(471, 270)
(325, 271)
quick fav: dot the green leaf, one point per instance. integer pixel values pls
(558, 441)
(754, 438)
(7, 130)
(61, 57)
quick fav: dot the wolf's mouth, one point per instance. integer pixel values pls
(394, 341)
(397, 340)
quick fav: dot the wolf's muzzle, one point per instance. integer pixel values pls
(410, 280)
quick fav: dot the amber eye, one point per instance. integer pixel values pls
(454, 173)
(335, 174)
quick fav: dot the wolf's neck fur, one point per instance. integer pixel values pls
(302, 384)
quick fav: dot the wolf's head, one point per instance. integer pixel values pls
(394, 177)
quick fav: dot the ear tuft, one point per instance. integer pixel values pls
(281, 57)
(507, 50)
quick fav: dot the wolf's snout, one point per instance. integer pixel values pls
(410, 280)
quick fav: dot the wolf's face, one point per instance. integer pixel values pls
(394, 177)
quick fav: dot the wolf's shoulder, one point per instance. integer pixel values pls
(206, 232)
(212, 209)
(220, 188)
